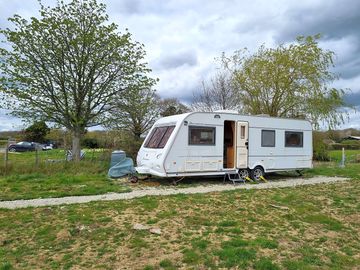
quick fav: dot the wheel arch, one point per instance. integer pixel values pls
(256, 164)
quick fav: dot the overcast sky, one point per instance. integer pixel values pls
(183, 37)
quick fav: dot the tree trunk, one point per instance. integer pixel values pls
(76, 145)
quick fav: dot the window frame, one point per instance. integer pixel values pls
(262, 141)
(201, 127)
(146, 144)
(301, 139)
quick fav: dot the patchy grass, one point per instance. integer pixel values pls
(352, 170)
(336, 155)
(24, 180)
(228, 230)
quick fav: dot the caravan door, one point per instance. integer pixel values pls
(242, 141)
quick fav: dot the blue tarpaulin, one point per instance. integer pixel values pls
(120, 165)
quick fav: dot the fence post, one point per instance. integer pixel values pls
(342, 165)
(6, 157)
(37, 157)
(37, 148)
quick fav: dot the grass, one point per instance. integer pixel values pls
(228, 230)
(24, 180)
(336, 155)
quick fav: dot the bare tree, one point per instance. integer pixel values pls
(218, 94)
(171, 106)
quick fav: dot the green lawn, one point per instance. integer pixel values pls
(23, 179)
(318, 227)
(350, 155)
(54, 177)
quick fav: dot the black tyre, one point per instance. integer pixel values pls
(133, 179)
(257, 173)
(244, 173)
(12, 149)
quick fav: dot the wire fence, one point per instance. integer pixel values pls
(50, 161)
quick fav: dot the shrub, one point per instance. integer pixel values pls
(91, 143)
(320, 149)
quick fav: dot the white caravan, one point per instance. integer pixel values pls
(219, 143)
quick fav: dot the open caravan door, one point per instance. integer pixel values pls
(242, 141)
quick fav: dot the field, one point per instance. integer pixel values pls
(54, 177)
(313, 227)
(310, 227)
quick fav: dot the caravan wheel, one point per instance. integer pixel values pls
(257, 173)
(244, 173)
(133, 179)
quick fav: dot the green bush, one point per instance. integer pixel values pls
(91, 143)
(320, 149)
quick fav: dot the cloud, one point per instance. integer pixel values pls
(331, 18)
(8, 122)
(177, 59)
(353, 99)
(182, 38)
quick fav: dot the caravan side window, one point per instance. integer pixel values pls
(201, 135)
(293, 139)
(159, 137)
(267, 138)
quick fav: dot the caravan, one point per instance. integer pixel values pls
(220, 143)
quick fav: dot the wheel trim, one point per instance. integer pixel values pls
(258, 173)
(243, 174)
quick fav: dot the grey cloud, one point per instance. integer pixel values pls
(353, 99)
(349, 69)
(182, 37)
(331, 18)
(140, 7)
(177, 59)
(186, 95)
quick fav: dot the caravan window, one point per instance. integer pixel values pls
(293, 139)
(159, 137)
(268, 138)
(201, 135)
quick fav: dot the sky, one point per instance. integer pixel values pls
(182, 38)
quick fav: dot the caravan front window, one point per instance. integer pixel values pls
(159, 137)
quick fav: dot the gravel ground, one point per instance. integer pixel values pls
(166, 191)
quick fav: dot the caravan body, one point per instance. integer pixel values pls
(215, 143)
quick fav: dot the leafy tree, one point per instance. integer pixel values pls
(68, 65)
(219, 94)
(135, 111)
(288, 81)
(36, 132)
(171, 106)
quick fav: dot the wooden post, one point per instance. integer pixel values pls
(6, 157)
(37, 156)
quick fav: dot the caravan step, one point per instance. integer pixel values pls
(233, 177)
